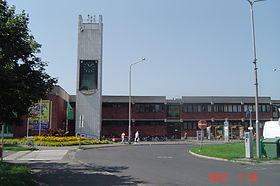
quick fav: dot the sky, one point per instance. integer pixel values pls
(192, 47)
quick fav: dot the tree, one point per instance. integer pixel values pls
(23, 79)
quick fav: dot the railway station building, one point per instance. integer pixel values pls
(157, 116)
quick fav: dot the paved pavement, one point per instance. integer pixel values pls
(172, 165)
(39, 155)
(60, 166)
(58, 153)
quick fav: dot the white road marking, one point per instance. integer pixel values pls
(164, 157)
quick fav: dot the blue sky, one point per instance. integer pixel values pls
(193, 47)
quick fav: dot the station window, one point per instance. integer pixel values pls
(149, 107)
(197, 108)
(262, 107)
(190, 125)
(115, 105)
(173, 111)
(227, 108)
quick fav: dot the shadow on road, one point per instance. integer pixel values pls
(53, 173)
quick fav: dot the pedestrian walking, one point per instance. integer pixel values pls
(136, 139)
(186, 135)
(123, 137)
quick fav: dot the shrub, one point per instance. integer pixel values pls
(55, 132)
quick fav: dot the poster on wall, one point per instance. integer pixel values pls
(39, 116)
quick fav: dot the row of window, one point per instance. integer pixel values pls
(115, 105)
(190, 125)
(227, 108)
(138, 123)
(151, 107)
(224, 108)
(197, 108)
(262, 108)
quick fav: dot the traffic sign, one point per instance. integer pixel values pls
(202, 124)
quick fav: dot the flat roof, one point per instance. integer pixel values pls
(135, 99)
(59, 91)
(185, 99)
(275, 101)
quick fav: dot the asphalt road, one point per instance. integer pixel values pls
(172, 165)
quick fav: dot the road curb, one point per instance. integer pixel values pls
(222, 159)
(188, 142)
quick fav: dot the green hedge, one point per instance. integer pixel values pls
(23, 141)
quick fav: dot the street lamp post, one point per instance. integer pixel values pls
(251, 2)
(129, 104)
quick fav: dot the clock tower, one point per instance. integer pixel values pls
(89, 78)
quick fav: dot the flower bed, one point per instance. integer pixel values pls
(56, 141)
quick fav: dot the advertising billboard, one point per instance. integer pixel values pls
(39, 116)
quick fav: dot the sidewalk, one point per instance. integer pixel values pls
(40, 155)
(173, 142)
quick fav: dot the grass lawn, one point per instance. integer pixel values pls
(227, 151)
(15, 174)
(18, 148)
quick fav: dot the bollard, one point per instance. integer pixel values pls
(30, 141)
(1, 152)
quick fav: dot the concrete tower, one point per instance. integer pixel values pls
(89, 78)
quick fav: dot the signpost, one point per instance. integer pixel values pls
(202, 124)
(248, 137)
(208, 129)
(249, 115)
(2, 143)
(226, 130)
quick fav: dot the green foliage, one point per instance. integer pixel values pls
(56, 141)
(55, 132)
(14, 174)
(23, 79)
(15, 141)
(19, 148)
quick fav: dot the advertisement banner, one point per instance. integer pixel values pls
(34, 125)
(39, 115)
(70, 112)
(42, 107)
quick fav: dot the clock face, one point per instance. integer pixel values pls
(89, 66)
(88, 76)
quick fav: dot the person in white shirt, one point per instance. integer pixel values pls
(136, 139)
(123, 137)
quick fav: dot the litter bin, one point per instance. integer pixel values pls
(271, 147)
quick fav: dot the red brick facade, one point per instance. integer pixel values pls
(57, 116)
(156, 116)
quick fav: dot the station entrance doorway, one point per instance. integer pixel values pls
(174, 130)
